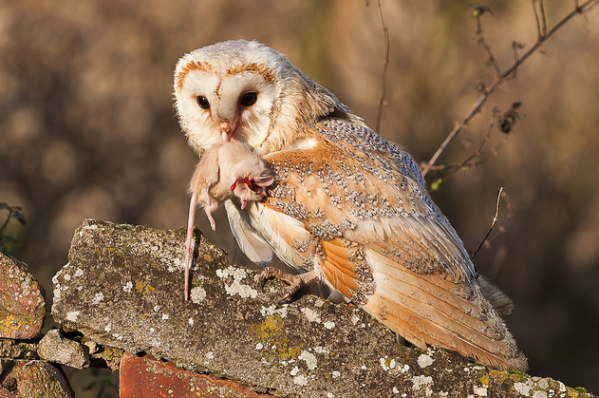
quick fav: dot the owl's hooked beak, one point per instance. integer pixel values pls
(227, 130)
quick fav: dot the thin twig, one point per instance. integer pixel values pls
(581, 9)
(541, 22)
(481, 40)
(379, 110)
(492, 225)
(515, 47)
(471, 161)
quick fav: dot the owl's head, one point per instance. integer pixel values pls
(249, 92)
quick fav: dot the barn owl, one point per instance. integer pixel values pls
(224, 171)
(348, 208)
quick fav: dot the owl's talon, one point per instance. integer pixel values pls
(267, 273)
(291, 290)
(296, 282)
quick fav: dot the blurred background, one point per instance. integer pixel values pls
(87, 130)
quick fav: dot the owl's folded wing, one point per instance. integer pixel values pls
(375, 236)
(336, 191)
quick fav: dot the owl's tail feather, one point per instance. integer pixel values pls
(430, 309)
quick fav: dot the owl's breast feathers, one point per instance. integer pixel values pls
(354, 207)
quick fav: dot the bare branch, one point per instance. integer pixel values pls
(379, 110)
(579, 10)
(542, 20)
(473, 160)
(483, 42)
(492, 225)
(515, 47)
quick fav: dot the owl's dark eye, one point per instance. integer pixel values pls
(248, 99)
(203, 102)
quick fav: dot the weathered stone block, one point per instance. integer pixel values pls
(10, 348)
(22, 303)
(123, 288)
(54, 348)
(34, 379)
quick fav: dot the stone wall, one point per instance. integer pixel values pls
(120, 304)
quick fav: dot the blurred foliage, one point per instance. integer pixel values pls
(7, 239)
(93, 382)
(479, 10)
(102, 384)
(88, 131)
(507, 121)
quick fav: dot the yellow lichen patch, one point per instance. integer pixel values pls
(577, 392)
(11, 323)
(143, 287)
(530, 386)
(269, 329)
(208, 257)
(571, 392)
(290, 352)
(484, 380)
(501, 375)
(387, 361)
(272, 333)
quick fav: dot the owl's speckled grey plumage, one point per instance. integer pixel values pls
(348, 207)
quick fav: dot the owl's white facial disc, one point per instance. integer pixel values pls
(252, 92)
(208, 99)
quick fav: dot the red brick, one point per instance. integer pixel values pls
(149, 377)
(4, 393)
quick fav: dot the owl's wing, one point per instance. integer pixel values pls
(351, 207)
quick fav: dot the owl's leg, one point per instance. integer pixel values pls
(295, 280)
